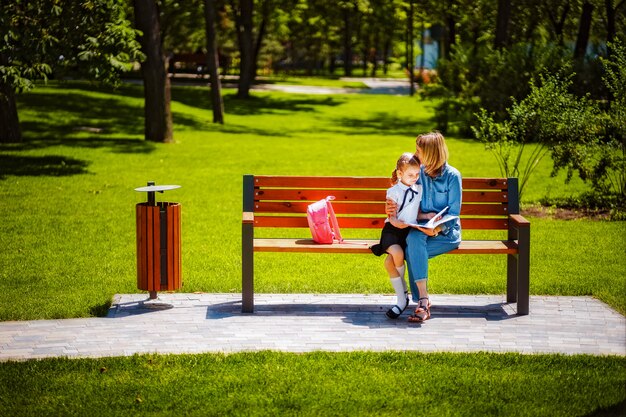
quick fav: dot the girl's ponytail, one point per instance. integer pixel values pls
(394, 177)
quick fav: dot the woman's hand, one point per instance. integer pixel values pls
(430, 232)
(390, 208)
(426, 216)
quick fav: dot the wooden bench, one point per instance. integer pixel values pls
(281, 201)
(198, 60)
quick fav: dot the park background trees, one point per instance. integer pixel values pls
(492, 55)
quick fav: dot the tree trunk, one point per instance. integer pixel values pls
(450, 37)
(410, 63)
(422, 46)
(366, 53)
(374, 55)
(246, 48)
(158, 122)
(406, 48)
(265, 11)
(583, 31)
(558, 24)
(9, 121)
(386, 50)
(347, 42)
(502, 23)
(610, 22)
(213, 62)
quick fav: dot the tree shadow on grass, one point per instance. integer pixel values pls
(616, 410)
(255, 104)
(47, 139)
(132, 88)
(49, 165)
(387, 123)
(64, 111)
(65, 118)
(66, 115)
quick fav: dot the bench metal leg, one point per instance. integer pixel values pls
(523, 271)
(247, 269)
(247, 247)
(511, 278)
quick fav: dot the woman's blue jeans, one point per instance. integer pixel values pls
(420, 248)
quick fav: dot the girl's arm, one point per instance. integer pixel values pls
(391, 206)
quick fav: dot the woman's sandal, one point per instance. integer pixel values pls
(395, 311)
(422, 312)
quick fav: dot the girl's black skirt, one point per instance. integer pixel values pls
(390, 235)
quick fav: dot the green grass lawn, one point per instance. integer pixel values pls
(328, 384)
(67, 198)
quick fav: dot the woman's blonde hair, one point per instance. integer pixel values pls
(434, 152)
(405, 160)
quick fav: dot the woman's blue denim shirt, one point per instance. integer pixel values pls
(441, 191)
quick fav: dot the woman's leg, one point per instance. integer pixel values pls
(415, 250)
(420, 248)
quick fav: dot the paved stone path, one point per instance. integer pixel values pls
(374, 86)
(193, 323)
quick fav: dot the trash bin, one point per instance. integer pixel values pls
(158, 242)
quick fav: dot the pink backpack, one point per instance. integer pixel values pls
(322, 221)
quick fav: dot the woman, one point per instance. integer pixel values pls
(441, 188)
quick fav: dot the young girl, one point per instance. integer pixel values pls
(407, 194)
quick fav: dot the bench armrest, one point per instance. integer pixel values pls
(248, 217)
(518, 221)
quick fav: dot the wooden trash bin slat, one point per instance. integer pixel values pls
(158, 256)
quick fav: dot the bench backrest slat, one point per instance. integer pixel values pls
(305, 194)
(293, 194)
(375, 208)
(281, 201)
(321, 182)
(361, 182)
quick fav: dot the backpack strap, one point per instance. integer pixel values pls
(333, 219)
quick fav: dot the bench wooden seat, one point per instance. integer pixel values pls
(362, 246)
(271, 202)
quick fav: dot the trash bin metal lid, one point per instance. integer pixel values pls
(155, 188)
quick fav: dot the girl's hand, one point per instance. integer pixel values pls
(397, 223)
(390, 207)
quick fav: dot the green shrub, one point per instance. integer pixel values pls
(481, 77)
(582, 135)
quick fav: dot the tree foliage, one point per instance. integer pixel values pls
(541, 37)
(580, 135)
(90, 38)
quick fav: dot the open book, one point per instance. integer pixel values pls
(438, 219)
